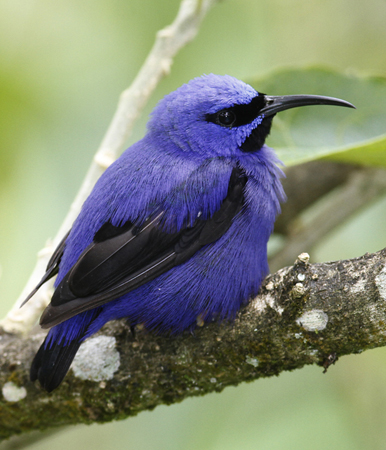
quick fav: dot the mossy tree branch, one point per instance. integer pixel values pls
(304, 314)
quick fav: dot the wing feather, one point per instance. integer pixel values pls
(52, 267)
(119, 261)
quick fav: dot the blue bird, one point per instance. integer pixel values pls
(174, 233)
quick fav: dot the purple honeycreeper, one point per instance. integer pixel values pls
(175, 232)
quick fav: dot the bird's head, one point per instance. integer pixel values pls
(217, 115)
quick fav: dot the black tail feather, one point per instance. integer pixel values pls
(51, 364)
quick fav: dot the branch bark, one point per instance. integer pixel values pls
(304, 314)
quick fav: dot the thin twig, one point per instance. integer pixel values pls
(305, 184)
(132, 101)
(362, 187)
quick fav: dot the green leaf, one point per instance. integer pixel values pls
(329, 132)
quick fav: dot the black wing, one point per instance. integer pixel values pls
(121, 259)
(52, 267)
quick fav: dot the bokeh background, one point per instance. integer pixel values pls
(63, 64)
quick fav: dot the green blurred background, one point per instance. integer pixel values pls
(63, 65)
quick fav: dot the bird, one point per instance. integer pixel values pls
(174, 233)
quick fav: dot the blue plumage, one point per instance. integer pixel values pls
(201, 187)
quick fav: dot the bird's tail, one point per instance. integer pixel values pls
(51, 363)
(54, 357)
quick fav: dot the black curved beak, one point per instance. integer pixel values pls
(277, 103)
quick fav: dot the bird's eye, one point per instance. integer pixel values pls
(226, 118)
